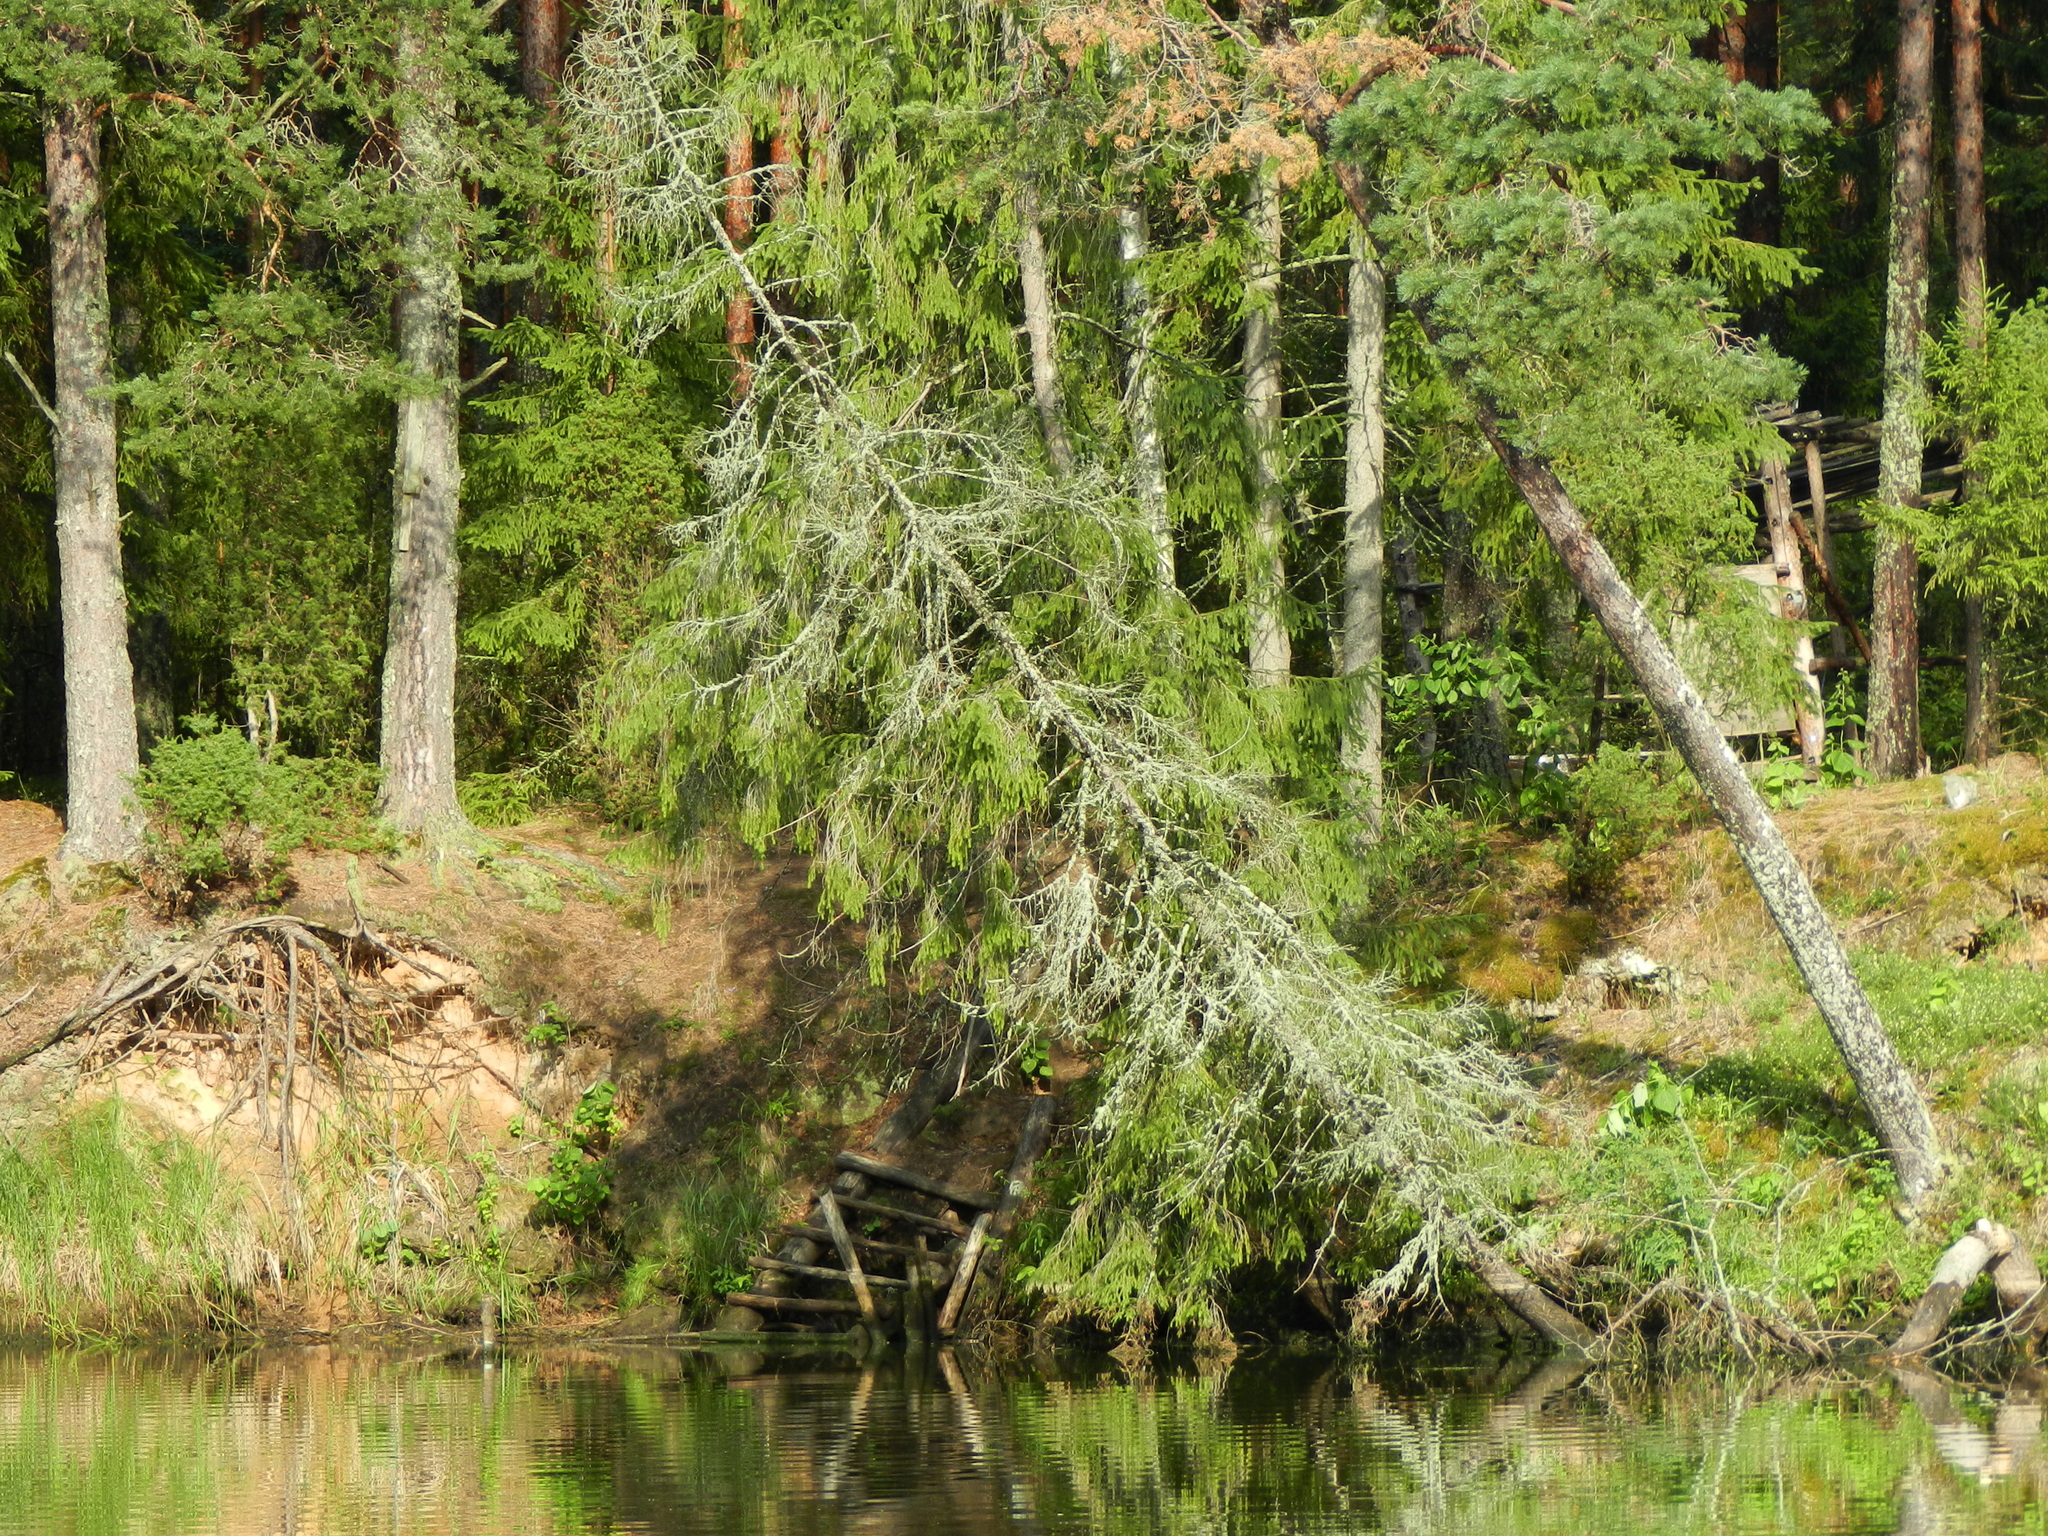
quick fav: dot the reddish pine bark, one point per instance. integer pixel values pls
(1894, 704)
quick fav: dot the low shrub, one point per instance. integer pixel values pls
(219, 814)
(1618, 806)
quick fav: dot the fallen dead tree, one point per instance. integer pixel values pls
(1989, 1248)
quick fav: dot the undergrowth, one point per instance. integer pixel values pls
(220, 813)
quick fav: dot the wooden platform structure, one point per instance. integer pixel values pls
(887, 1249)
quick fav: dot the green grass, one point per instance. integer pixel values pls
(690, 1232)
(110, 1226)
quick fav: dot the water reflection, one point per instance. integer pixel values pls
(566, 1441)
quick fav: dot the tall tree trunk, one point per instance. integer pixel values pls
(418, 748)
(1038, 331)
(541, 45)
(1272, 657)
(785, 177)
(1365, 479)
(1897, 1110)
(1895, 630)
(100, 750)
(1408, 608)
(1980, 681)
(741, 323)
(1141, 394)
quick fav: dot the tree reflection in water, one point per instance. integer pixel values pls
(601, 1441)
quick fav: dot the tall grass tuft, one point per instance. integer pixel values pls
(691, 1234)
(109, 1226)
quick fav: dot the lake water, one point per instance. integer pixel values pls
(319, 1442)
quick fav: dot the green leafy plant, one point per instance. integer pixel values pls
(1035, 1060)
(1659, 1099)
(577, 1183)
(550, 1026)
(574, 1188)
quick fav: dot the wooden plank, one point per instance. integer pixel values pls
(945, 1224)
(866, 1244)
(973, 1200)
(765, 1303)
(963, 1277)
(819, 1272)
(1032, 1140)
(849, 1257)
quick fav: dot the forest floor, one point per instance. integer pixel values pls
(1697, 1162)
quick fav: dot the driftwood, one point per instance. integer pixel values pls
(996, 1224)
(1529, 1301)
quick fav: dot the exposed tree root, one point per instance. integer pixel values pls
(285, 999)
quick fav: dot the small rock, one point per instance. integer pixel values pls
(738, 1320)
(1630, 977)
(1958, 790)
(655, 1320)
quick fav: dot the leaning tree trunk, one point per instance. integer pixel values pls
(1141, 395)
(1272, 657)
(1896, 1107)
(1365, 479)
(1045, 374)
(1980, 677)
(1893, 1099)
(418, 748)
(99, 683)
(1894, 711)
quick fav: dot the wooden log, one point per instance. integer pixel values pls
(820, 1272)
(945, 1225)
(963, 1275)
(1031, 1141)
(866, 1244)
(1953, 1275)
(849, 1258)
(2015, 1276)
(761, 1301)
(1529, 1301)
(889, 1173)
(1778, 515)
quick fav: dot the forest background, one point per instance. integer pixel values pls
(1102, 480)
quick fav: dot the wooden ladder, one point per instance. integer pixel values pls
(899, 1265)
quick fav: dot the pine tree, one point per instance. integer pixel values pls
(1895, 625)
(84, 64)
